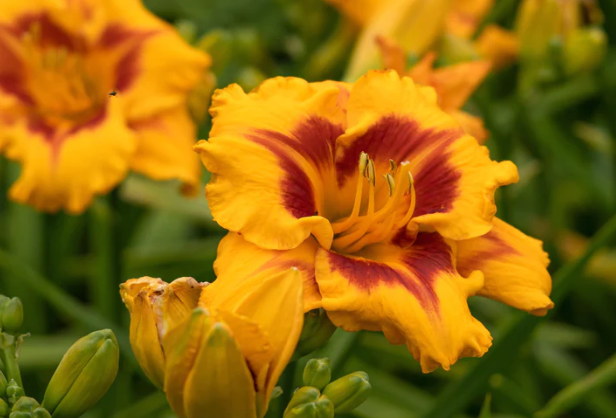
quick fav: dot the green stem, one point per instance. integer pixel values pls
(103, 283)
(8, 355)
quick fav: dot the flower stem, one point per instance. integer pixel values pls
(8, 355)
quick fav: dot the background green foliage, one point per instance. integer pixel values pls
(562, 135)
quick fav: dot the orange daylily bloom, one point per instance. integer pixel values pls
(378, 196)
(90, 90)
(454, 84)
(217, 348)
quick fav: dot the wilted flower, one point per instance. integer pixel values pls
(91, 89)
(155, 307)
(382, 202)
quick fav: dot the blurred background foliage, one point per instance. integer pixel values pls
(561, 134)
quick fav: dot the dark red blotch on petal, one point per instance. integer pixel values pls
(314, 140)
(497, 247)
(402, 139)
(428, 258)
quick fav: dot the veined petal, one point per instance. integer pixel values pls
(99, 151)
(220, 384)
(270, 154)
(275, 302)
(498, 45)
(233, 271)
(164, 148)
(514, 265)
(454, 178)
(415, 296)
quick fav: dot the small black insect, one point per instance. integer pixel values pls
(113, 93)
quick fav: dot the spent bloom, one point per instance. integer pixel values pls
(219, 348)
(380, 199)
(90, 89)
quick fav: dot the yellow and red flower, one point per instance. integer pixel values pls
(90, 90)
(379, 198)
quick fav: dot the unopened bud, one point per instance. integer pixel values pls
(584, 50)
(3, 301)
(3, 384)
(4, 408)
(12, 316)
(84, 375)
(14, 392)
(348, 392)
(316, 332)
(307, 402)
(317, 373)
(29, 408)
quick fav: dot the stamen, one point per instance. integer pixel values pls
(390, 182)
(409, 213)
(364, 225)
(338, 227)
(393, 166)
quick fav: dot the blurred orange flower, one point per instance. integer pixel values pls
(90, 89)
(380, 199)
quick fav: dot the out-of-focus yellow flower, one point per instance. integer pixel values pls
(379, 198)
(90, 89)
(453, 84)
(227, 357)
(155, 307)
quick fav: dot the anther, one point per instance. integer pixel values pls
(391, 183)
(371, 172)
(392, 166)
(363, 162)
(411, 182)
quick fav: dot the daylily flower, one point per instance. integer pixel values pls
(216, 348)
(90, 90)
(377, 196)
(453, 84)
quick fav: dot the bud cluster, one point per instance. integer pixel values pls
(319, 398)
(84, 375)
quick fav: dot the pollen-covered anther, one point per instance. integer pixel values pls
(357, 231)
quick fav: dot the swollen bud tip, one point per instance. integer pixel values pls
(12, 315)
(14, 392)
(317, 373)
(84, 375)
(307, 402)
(28, 408)
(348, 392)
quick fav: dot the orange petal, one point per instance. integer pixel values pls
(472, 125)
(514, 265)
(456, 83)
(498, 45)
(414, 295)
(232, 271)
(270, 186)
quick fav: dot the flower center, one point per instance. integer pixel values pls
(59, 82)
(366, 225)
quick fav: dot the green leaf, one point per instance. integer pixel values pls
(486, 411)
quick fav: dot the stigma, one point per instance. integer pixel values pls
(366, 224)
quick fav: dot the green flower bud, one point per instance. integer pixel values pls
(307, 402)
(317, 373)
(14, 392)
(84, 375)
(29, 408)
(12, 315)
(584, 50)
(3, 301)
(3, 385)
(348, 392)
(316, 332)
(4, 408)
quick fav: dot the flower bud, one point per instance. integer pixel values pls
(348, 392)
(584, 50)
(317, 373)
(4, 408)
(155, 307)
(3, 302)
(3, 384)
(84, 375)
(14, 392)
(28, 408)
(12, 316)
(316, 332)
(307, 402)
